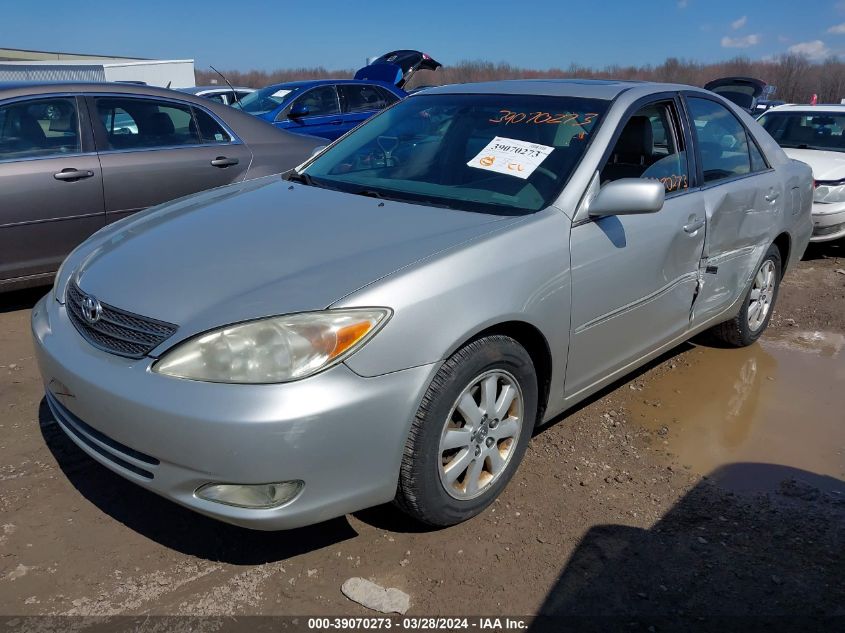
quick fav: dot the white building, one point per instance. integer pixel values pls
(19, 65)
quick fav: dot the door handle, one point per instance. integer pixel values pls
(772, 196)
(222, 161)
(338, 122)
(693, 226)
(73, 174)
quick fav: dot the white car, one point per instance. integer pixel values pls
(816, 135)
(220, 94)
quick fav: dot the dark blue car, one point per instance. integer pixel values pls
(328, 108)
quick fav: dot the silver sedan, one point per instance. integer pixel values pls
(391, 321)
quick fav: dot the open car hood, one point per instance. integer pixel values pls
(743, 91)
(397, 67)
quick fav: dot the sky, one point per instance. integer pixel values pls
(247, 34)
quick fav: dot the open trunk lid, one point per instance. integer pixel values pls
(743, 91)
(397, 67)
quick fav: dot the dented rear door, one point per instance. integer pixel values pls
(743, 199)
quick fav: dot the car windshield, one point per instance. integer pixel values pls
(503, 154)
(807, 130)
(265, 100)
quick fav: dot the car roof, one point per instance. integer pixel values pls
(198, 89)
(806, 107)
(34, 88)
(586, 88)
(305, 83)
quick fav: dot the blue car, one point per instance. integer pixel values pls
(328, 108)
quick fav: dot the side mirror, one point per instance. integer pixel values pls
(628, 196)
(298, 111)
(318, 149)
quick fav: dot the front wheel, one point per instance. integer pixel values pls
(470, 432)
(753, 318)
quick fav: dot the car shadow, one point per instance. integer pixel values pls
(21, 299)
(391, 519)
(715, 561)
(825, 250)
(170, 524)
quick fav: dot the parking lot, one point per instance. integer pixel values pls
(711, 481)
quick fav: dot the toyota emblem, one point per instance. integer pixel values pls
(92, 310)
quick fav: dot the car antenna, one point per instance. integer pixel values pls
(168, 85)
(235, 94)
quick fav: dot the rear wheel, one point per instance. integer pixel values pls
(753, 318)
(470, 432)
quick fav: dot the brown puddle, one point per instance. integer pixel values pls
(780, 402)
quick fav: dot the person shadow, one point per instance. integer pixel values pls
(170, 524)
(715, 561)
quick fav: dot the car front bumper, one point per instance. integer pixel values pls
(340, 433)
(828, 221)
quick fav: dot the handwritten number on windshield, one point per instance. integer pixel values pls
(509, 117)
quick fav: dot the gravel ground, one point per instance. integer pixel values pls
(598, 520)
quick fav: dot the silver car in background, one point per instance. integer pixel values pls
(391, 321)
(77, 156)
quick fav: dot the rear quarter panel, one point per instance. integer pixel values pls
(273, 151)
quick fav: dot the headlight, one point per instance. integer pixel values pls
(57, 281)
(273, 350)
(829, 191)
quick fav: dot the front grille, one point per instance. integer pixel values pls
(117, 331)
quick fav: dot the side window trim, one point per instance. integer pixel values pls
(753, 141)
(83, 131)
(99, 131)
(690, 142)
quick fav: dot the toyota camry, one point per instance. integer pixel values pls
(393, 319)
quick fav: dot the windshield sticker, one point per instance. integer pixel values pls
(281, 93)
(511, 156)
(509, 117)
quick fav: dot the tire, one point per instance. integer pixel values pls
(430, 463)
(744, 328)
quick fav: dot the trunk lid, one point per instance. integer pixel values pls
(397, 67)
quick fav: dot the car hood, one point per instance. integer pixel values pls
(826, 165)
(262, 248)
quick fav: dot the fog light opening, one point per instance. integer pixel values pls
(257, 496)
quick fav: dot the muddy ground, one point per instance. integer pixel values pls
(710, 483)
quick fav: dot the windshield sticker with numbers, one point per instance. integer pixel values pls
(511, 156)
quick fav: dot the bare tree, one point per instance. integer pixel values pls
(794, 76)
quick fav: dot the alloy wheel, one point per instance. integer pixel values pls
(762, 294)
(480, 434)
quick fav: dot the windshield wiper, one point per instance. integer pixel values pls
(370, 193)
(305, 179)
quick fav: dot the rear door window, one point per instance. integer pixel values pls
(361, 98)
(388, 96)
(39, 128)
(721, 140)
(210, 130)
(131, 123)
